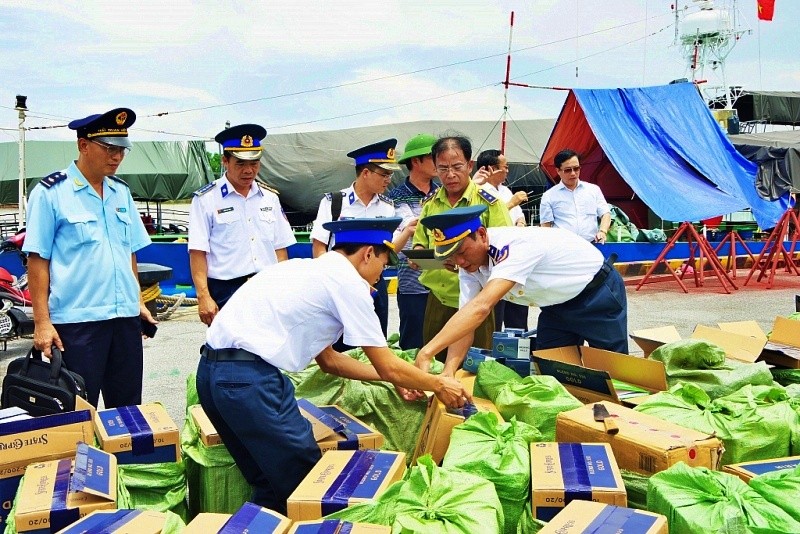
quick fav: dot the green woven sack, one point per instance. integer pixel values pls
(433, 500)
(492, 377)
(635, 488)
(158, 487)
(536, 400)
(701, 500)
(781, 488)
(499, 453)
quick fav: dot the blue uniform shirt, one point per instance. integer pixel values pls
(89, 242)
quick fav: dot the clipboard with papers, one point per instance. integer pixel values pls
(424, 258)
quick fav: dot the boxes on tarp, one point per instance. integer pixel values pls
(327, 526)
(749, 470)
(249, 518)
(644, 444)
(513, 343)
(588, 373)
(55, 494)
(38, 439)
(434, 435)
(587, 517)
(213, 479)
(142, 434)
(564, 472)
(335, 429)
(342, 478)
(118, 522)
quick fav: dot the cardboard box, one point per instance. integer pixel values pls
(644, 444)
(513, 343)
(39, 439)
(587, 517)
(155, 436)
(337, 525)
(434, 436)
(342, 478)
(467, 379)
(118, 522)
(206, 523)
(475, 357)
(783, 347)
(563, 472)
(749, 470)
(249, 518)
(208, 434)
(587, 372)
(737, 345)
(8, 415)
(335, 429)
(56, 494)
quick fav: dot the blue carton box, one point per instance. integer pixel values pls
(476, 356)
(513, 343)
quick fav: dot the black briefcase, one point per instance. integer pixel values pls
(41, 387)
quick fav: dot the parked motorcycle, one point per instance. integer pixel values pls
(16, 311)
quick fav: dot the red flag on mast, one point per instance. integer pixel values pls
(766, 8)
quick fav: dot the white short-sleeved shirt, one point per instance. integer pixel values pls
(576, 211)
(238, 234)
(505, 194)
(291, 311)
(548, 265)
(352, 208)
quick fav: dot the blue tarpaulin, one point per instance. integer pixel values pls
(667, 147)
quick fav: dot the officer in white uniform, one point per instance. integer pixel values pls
(236, 224)
(375, 165)
(284, 317)
(581, 296)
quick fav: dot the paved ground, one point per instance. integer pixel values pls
(173, 354)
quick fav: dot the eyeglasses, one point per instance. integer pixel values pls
(112, 149)
(385, 176)
(570, 170)
(458, 167)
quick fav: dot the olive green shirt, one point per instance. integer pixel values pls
(443, 283)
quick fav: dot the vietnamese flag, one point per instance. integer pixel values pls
(766, 8)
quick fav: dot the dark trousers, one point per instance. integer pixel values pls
(252, 406)
(599, 317)
(381, 302)
(222, 290)
(108, 355)
(437, 315)
(412, 319)
(510, 315)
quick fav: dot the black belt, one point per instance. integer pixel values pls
(237, 280)
(228, 355)
(601, 275)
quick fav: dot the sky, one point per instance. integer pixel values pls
(187, 66)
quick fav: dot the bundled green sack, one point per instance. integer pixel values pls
(705, 365)
(493, 376)
(781, 488)
(701, 500)
(786, 377)
(527, 523)
(158, 487)
(746, 434)
(499, 453)
(536, 400)
(433, 500)
(635, 488)
(375, 403)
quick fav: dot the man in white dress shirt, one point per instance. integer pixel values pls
(236, 224)
(284, 317)
(575, 205)
(581, 296)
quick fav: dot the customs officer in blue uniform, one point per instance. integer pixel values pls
(82, 235)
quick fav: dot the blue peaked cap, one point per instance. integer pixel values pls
(365, 232)
(451, 227)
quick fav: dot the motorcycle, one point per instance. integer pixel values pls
(16, 311)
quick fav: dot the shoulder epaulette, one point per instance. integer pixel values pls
(205, 189)
(120, 180)
(329, 196)
(52, 179)
(262, 185)
(386, 199)
(429, 196)
(487, 196)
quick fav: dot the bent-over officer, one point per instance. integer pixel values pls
(284, 317)
(82, 235)
(581, 295)
(236, 224)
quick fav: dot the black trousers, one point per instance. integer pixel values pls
(108, 355)
(222, 290)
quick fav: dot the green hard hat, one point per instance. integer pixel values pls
(419, 145)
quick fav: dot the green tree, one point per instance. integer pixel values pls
(214, 161)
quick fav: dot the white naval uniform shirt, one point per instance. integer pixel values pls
(548, 265)
(238, 234)
(352, 208)
(505, 194)
(288, 313)
(576, 210)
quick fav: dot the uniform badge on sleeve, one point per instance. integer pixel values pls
(498, 255)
